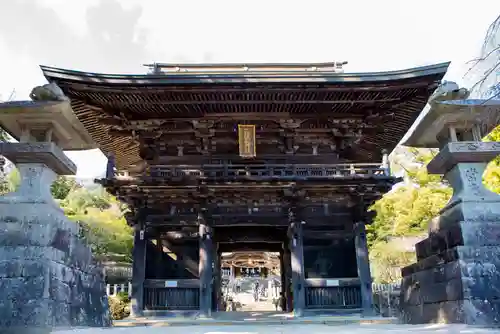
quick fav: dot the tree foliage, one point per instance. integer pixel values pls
(62, 186)
(405, 211)
(100, 217)
(492, 174)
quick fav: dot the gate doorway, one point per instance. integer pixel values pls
(252, 277)
(250, 281)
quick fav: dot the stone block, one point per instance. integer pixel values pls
(470, 311)
(47, 154)
(44, 116)
(468, 233)
(462, 284)
(67, 291)
(48, 278)
(31, 213)
(21, 268)
(459, 112)
(454, 153)
(467, 212)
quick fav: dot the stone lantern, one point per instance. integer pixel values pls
(47, 274)
(457, 275)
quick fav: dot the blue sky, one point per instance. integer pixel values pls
(118, 37)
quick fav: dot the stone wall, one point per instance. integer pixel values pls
(47, 275)
(457, 276)
(459, 285)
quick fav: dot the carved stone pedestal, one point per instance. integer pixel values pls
(457, 276)
(47, 276)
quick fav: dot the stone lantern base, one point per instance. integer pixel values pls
(47, 276)
(457, 276)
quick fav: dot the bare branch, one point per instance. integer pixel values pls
(480, 59)
(486, 67)
(491, 97)
(486, 75)
(12, 95)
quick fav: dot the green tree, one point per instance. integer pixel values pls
(106, 231)
(62, 186)
(491, 176)
(101, 219)
(405, 211)
(9, 182)
(81, 199)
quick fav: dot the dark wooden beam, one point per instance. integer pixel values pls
(250, 246)
(231, 221)
(326, 234)
(277, 88)
(254, 102)
(181, 283)
(250, 234)
(350, 119)
(251, 183)
(324, 158)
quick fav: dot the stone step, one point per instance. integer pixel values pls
(262, 319)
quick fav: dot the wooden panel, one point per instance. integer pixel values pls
(341, 297)
(156, 299)
(334, 257)
(172, 260)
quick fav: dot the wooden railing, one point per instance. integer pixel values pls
(319, 295)
(269, 171)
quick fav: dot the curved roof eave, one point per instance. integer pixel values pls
(243, 77)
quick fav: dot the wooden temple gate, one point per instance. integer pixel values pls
(223, 158)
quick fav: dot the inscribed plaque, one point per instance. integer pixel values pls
(332, 282)
(247, 140)
(170, 284)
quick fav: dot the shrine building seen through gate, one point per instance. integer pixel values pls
(217, 159)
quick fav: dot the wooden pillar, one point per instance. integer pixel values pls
(138, 271)
(297, 264)
(217, 274)
(159, 258)
(288, 281)
(283, 272)
(363, 263)
(205, 267)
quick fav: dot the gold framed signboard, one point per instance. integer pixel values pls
(247, 140)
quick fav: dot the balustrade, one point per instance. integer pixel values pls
(228, 210)
(268, 171)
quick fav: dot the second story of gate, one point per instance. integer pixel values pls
(237, 122)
